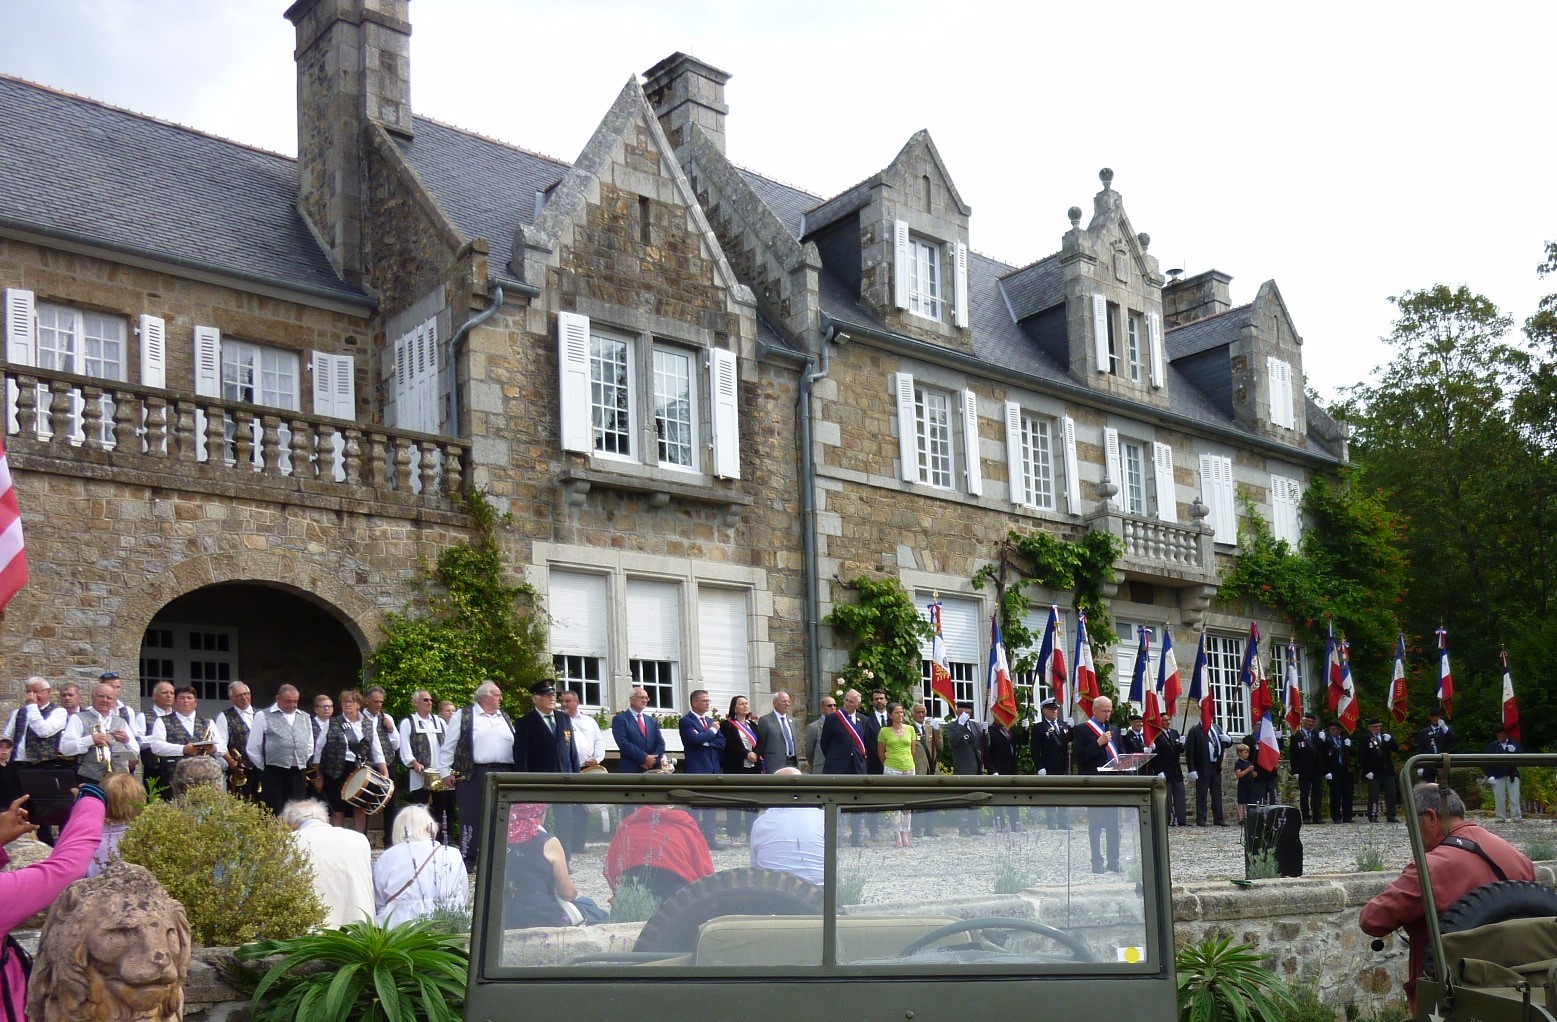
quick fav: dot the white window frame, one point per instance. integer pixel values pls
(1032, 469)
(1218, 492)
(605, 431)
(925, 286)
(688, 448)
(268, 368)
(1224, 660)
(1278, 682)
(1112, 318)
(1135, 326)
(934, 437)
(1286, 515)
(1134, 488)
(183, 656)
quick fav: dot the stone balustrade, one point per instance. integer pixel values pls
(1149, 539)
(68, 421)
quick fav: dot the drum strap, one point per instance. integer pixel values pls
(406, 886)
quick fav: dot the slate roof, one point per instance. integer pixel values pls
(1215, 331)
(1035, 287)
(486, 187)
(80, 169)
(839, 206)
(789, 204)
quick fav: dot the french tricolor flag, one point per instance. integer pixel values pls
(1051, 657)
(13, 555)
(1445, 676)
(1086, 673)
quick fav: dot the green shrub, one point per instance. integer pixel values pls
(1467, 784)
(1370, 860)
(232, 865)
(1307, 1007)
(1540, 850)
(1220, 981)
(362, 971)
(1538, 789)
(633, 903)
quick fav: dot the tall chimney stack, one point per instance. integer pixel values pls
(685, 91)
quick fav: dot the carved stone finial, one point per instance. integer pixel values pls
(1075, 216)
(116, 946)
(1145, 240)
(1107, 177)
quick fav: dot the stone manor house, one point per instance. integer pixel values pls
(241, 389)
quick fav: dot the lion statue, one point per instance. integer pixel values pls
(113, 947)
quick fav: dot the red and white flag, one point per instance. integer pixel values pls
(1397, 681)
(1169, 687)
(1445, 677)
(1510, 705)
(1199, 691)
(1294, 690)
(1001, 693)
(1051, 658)
(1350, 710)
(940, 673)
(1086, 672)
(1333, 671)
(1269, 754)
(13, 557)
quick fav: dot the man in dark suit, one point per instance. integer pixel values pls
(1099, 744)
(1166, 764)
(637, 734)
(1051, 754)
(1376, 762)
(843, 750)
(1338, 772)
(1437, 738)
(776, 737)
(1308, 765)
(703, 744)
(875, 720)
(1204, 751)
(964, 736)
(543, 743)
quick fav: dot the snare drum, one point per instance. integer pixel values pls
(367, 789)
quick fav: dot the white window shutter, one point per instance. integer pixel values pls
(1113, 463)
(1226, 501)
(1167, 492)
(1100, 332)
(323, 370)
(970, 442)
(427, 379)
(1154, 329)
(960, 295)
(1288, 418)
(208, 361)
(724, 379)
(1279, 374)
(335, 385)
(901, 254)
(1014, 467)
(1072, 469)
(20, 337)
(154, 352)
(573, 353)
(907, 426)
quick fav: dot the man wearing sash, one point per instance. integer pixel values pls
(421, 751)
(478, 741)
(281, 742)
(100, 739)
(843, 749)
(1097, 747)
(233, 725)
(183, 733)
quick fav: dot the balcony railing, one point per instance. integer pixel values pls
(1162, 551)
(1148, 539)
(124, 426)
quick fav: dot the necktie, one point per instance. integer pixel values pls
(789, 739)
(643, 728)
(551, 725)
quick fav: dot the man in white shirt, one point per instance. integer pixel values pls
(388, 741)
(37, 726)
(112, 678)
(573, 826)
(281, 742)
(184, 732)
(100, 739)
(161, 705)
(776, 737)
(342, 860)
(232, 727)
(479, 741)
(789, 838)
(70, 698)
(421, 751)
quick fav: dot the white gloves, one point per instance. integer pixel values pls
(1194, 775)
(935, 723)
(1162, 775)
(1347, 742)
(1389, 738)
(1369, 775)
(1042, 772)
(1329, 778)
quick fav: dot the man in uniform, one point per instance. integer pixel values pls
(161, 705)
(1204, 751)
(281, 742)
(1166, 764)
(1505, 779)
(1377, 761)
(964, 736)
(1308, 766)
(1461, 857)
(233, 726)
(421, 747)
(1338, 772)
(1437, 738)
(184, 733)
(100, 739)
(1098, 744)
(388, 743)
(1051, 754)
(479, 741)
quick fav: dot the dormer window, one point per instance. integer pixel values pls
(924, 278)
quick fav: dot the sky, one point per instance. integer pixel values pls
(1348, 151)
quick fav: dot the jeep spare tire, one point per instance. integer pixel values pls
(734, 892)
(1494, 903)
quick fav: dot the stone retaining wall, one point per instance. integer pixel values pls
(1308, 927)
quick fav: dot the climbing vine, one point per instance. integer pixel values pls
(886, 631)
(465, 624)
(1041, 560)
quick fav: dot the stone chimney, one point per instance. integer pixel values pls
(1184, 300)
(685, 91)
(353, 67)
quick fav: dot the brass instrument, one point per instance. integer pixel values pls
(105, 752)
(237, 773)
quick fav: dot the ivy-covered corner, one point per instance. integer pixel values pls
(885, 631)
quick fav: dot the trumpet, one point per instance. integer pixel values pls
(437, 782)
(104, 752)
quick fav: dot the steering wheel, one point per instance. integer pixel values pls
(1078, 950)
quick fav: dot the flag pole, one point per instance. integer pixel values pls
(1184, 721)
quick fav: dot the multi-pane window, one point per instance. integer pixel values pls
(610, 394)
(203, 658)
(1113, 338)
(73, 341)
(1224, 656)
(675, 408)
(1133, 456)
(658, 678)
(259, 375)
(580, 675)
(924, 279)
(1037, 439)
(156, 659)
(963, 674)
(1124, 659)
(933, 426)
(1279, 676)
(1134, 328)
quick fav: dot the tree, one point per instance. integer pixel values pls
(468, 623)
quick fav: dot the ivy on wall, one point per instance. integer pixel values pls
(886, 631)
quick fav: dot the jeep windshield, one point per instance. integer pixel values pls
(705, 895)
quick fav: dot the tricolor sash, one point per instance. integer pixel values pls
(859, 743)
(748, 736)
(1097, 732)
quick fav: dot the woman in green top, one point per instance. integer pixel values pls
(895, 746)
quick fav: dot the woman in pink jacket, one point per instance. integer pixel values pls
(29, 891)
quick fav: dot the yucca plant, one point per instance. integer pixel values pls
(1220, 981)
(362, 972)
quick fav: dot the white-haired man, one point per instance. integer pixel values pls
(342, 860)
(421, 751)
(478, 741)
(281, 742)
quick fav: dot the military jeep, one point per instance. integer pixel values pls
(794, 896)
(1492, 955)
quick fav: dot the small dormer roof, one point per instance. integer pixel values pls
(1035, 287)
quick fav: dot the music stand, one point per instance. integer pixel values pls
(1128, 763)
(50, 800)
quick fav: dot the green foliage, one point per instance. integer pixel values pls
(1538, 789)
(1307, 1007)
(370, 973)
(1469, 784)
(633, 903)
(886, 630)
(1370, 859)
(467, 623)
(231, 864)
(1540, 850)
(1220, 981)
(1013, 867)
(1037, 560)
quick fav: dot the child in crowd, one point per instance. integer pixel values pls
(1244, 771)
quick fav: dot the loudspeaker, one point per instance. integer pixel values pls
(1278, 829)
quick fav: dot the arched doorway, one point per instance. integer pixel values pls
(265, 635)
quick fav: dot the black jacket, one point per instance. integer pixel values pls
(1051, 746)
